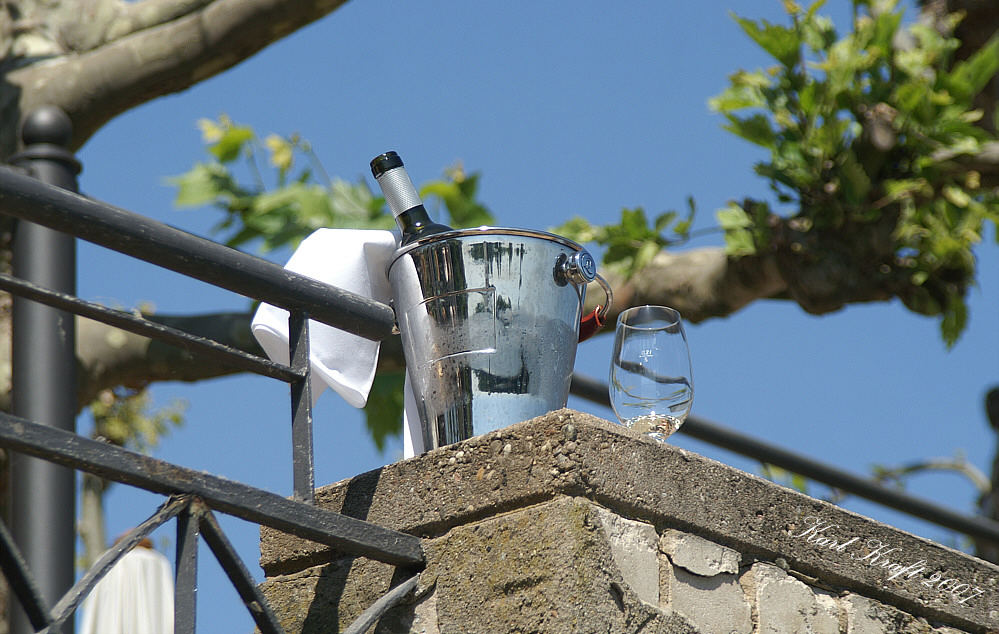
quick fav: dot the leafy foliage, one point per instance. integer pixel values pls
(632, 243)
(864, 134)
(865, 128)
(125, 418)
(383, 413)
(783, 477)
(301, 198)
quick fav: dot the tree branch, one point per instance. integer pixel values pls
(985, 162)
(80, 27)
(137, 16)
(150, 58)
(109, 357)
(957, 464)
(700, 283)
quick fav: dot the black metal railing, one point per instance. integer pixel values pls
(26, 198)
(194, 496)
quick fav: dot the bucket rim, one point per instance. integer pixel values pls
(484, 231)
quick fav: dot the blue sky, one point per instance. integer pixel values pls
(619, 93)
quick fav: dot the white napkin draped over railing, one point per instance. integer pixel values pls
(354, 260)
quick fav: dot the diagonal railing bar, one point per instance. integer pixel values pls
(19, 579)
(126, 321)
(719, 436)
(238, 574)
(346, 534)
(381, 606)
(70, 601)
(171, 248)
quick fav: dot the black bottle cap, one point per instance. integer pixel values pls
(385, 162)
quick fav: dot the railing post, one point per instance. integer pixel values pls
(185, 599)
(303, 459)
(43, 509)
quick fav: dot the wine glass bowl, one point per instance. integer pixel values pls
(651, 383)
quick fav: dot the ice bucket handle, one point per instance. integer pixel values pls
(594, 321)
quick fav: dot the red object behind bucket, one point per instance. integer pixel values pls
(590, 324)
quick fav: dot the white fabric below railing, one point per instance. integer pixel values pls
(135, 597)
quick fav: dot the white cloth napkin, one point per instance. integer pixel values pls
(135, 597)
(355, 260)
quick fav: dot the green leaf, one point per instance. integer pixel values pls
(733, 217)
(243, 236)
(383, 412)
(955, 318)
(127, 418)
(634, 223)
(229, 147)
(886, 25)
(459, 198)
(579, 229)
(682, 228)
(210, 130)
(783, 43)
(807, 98)
(814, 8)
(969, 76)
(281, 153)
(956, 196)
(738, 238)
(737, 98)
(817, 32)
(755, 129)
(274, 200)
(907, 188)
(663, 221)
(909, 95)
(739, 243)
(644, 255)
(856, 183)
(202, 184)
(313, 207)
(799, 483)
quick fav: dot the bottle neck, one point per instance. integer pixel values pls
(403, 199)
(415, 217)
(400, 194)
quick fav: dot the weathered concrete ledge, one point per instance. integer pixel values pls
(710, 539)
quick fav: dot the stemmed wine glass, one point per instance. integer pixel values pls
(651, 382)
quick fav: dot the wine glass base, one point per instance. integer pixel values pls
(655, 426)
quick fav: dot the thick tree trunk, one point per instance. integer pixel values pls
(118, 55)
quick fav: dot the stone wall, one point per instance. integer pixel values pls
(568, 523)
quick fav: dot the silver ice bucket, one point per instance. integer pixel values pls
(489, 318)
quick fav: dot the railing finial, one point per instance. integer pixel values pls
(48, 125)
(46, 133)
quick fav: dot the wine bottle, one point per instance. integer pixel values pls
(403, 199)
